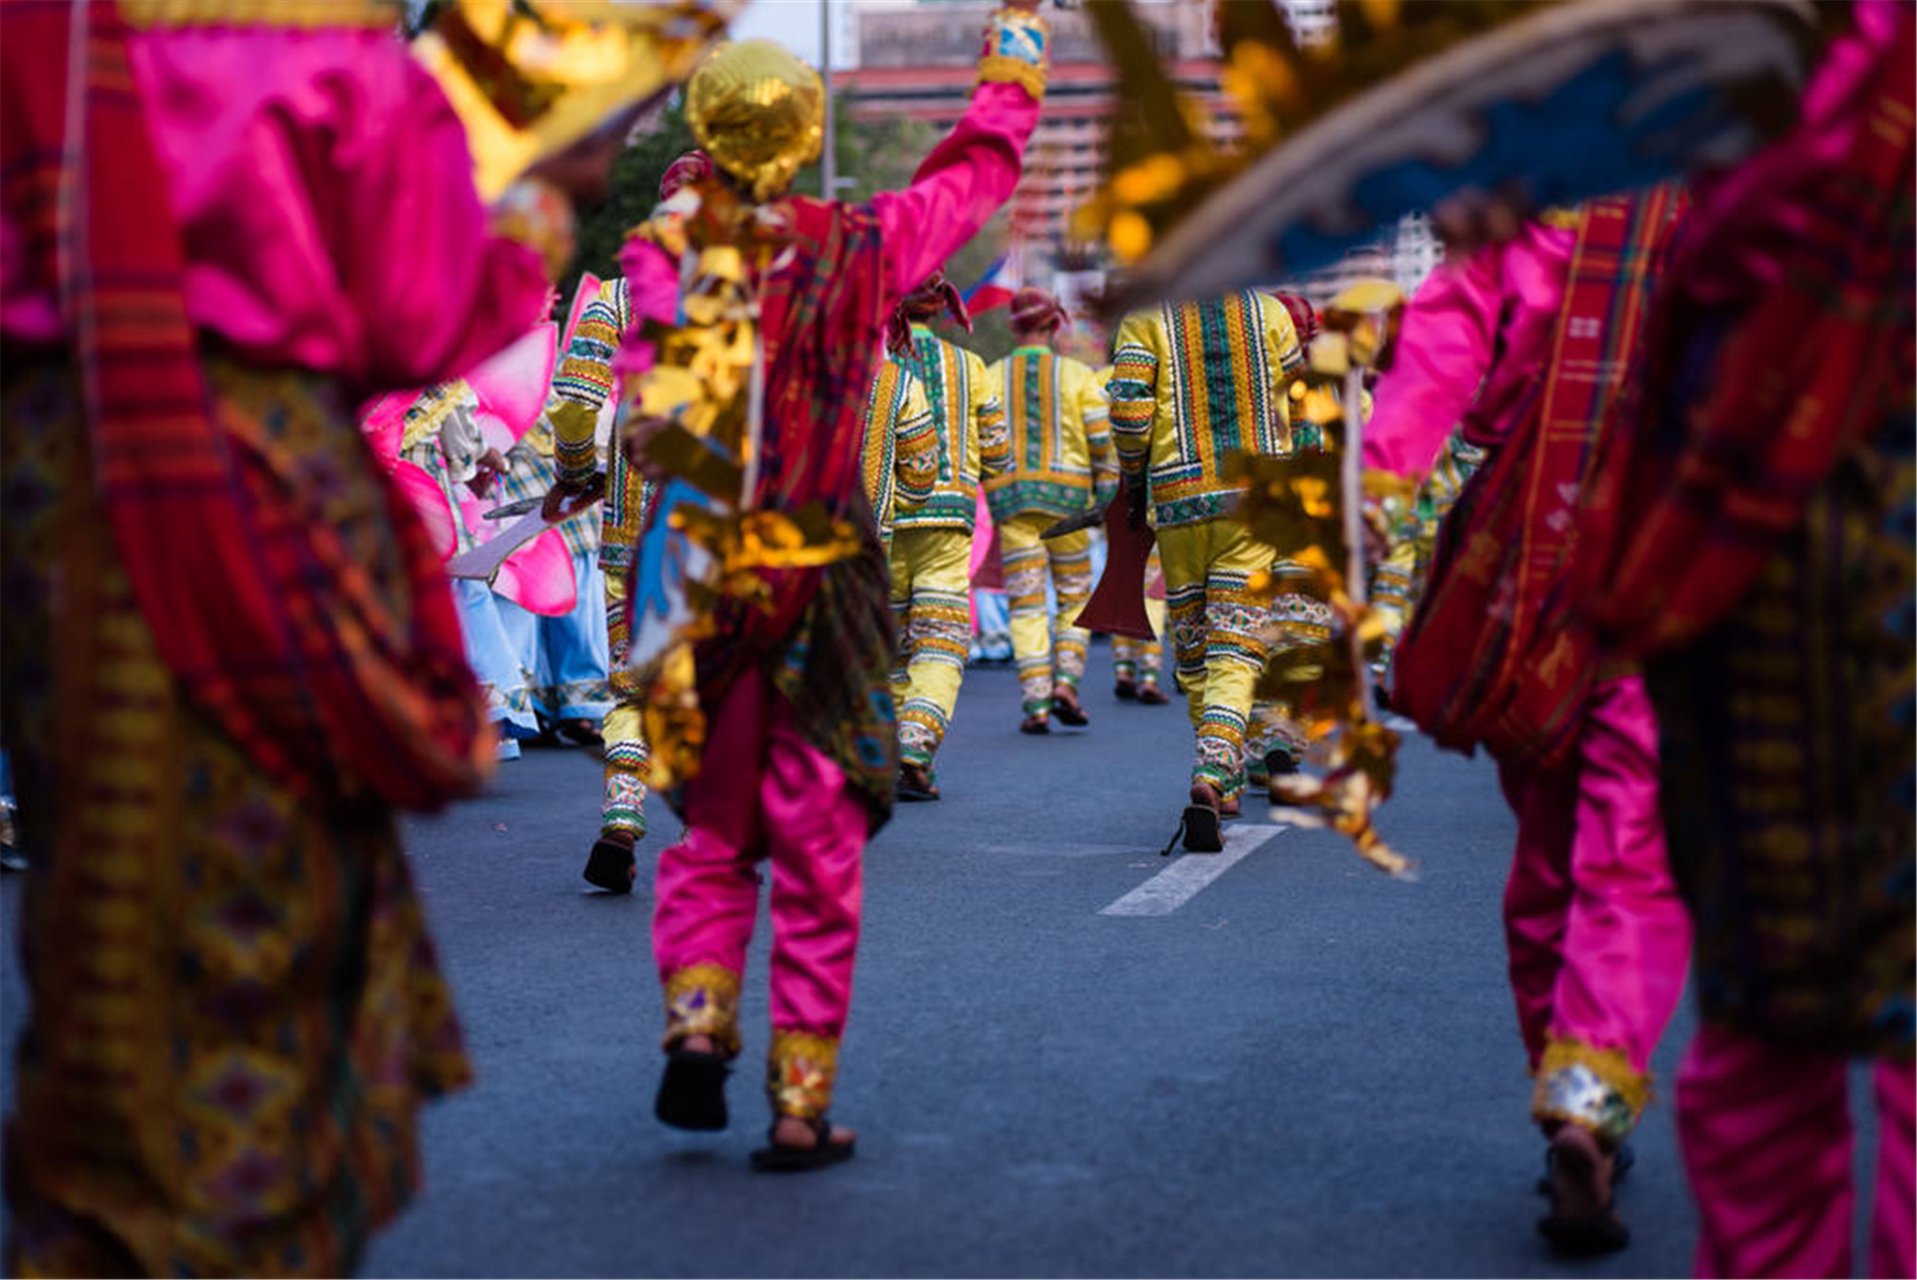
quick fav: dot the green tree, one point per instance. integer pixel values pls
(631, 192)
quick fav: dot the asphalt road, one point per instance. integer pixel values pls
(1301, 1068)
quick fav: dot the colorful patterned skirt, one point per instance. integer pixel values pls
(1788, 775)
(236, 1009)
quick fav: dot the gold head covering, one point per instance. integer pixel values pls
(759, 112)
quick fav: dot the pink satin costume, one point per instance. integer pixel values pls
(1597, 936)
(327, 209)
(1765, 1126)
(764, 791)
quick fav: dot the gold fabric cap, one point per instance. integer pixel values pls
(759, 111)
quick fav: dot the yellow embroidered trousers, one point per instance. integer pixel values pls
(624, 805)
(1303, 620)
(931, 598)
(1046, 657)
(1217, 629)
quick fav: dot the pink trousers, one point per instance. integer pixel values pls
(764, 793)
(1598, 937)
(1766, 1135)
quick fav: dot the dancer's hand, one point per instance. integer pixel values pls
(489, 467)
(566, 499)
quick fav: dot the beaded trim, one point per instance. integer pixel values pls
(703, 1000)
(800, 1069)
(1595, 1088)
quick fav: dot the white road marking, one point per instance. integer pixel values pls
(1399, 724)
(1173, 887)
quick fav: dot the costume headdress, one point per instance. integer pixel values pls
(937, 295)
(1034, 309)
(1303, 318)
(692, 166)
(759, 112)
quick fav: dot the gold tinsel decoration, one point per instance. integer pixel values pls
(1300, 504)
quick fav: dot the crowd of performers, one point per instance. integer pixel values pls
(1661, 568)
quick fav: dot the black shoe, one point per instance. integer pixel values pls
(612, 865)
(1279, 762)
(1125, 690)
(692, 1092)
(915, 783)
(1203, 821)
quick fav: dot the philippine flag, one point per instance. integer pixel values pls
(996, 287)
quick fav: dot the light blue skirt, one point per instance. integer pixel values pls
(569, 656)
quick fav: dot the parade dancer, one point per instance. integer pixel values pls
(441, 437)
(932, 542)
(1060, 465)
(580, 389)
(236, 1011)
(1506, 343)
(569, 657)
(1192, 384)
(1774, 599)
(798, 765)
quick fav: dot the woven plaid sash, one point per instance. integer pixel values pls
(1751, 394)
(1475, 665)
(326, 681)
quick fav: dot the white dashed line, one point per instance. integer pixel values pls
(1173, 887)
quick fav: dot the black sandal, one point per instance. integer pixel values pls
(1585, 1235)
(1623, 1160)
(612, 865)
(692, 1093)
(1201, 829)
(775, 1158)
(915, 783)
(1582, 1235)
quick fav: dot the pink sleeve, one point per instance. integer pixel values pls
(1444, 351)
(956, 191)
(438, 292)
(652, 291)
(325, 199)
(1477, 338)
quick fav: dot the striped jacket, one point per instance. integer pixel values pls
(1192, 383)
(1061, 443)
(970, 424)
(900, 456)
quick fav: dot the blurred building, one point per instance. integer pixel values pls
(919, 59)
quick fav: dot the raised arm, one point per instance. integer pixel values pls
(971, 173)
